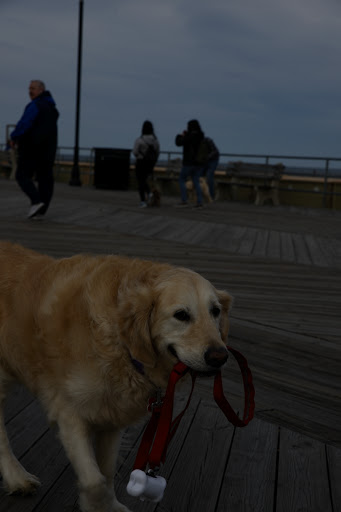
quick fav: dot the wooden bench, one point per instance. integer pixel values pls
(263, 179)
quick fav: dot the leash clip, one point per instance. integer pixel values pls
(155, 402)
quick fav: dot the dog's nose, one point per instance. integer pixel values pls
(216, 357)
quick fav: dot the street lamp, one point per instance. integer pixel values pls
(75, 179)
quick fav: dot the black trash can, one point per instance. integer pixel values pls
(112, 168)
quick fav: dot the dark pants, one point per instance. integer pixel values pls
(143, 171)
(36, 165)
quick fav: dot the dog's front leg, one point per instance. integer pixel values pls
(107, 446)
(95, 496)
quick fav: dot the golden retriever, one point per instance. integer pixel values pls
(94, 337)
(204, 189)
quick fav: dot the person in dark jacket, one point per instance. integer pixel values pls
(190, 141)
(35, 136)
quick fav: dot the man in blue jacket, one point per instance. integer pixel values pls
(35, 136)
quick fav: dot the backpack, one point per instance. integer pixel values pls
(203, 152)
(151, 154)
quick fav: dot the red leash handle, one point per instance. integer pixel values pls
(249, 391)
(161, 428)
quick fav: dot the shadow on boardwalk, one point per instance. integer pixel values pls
(283, 268)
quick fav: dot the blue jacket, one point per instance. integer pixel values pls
(38, 124)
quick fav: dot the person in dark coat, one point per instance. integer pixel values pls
(35, 136)
(190, 141)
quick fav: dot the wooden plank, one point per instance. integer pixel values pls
(250, 476)
(273, 249)
(18, 399)
(260, 247)
(300, 248)
(315, 252)
(196, 478)
(47, 461)
(248, 241)
(302, 475)
(334, 463)
(230, 238)
(328, 250)
(287, 247)
(26, 428)
(172, 456)
(62, 497)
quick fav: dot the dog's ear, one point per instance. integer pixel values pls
(226, 301)
(135, 309)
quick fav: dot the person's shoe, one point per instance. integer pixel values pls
(38, 216)
(183, 204)
(198, 206)
(35, 208)
(143, 204)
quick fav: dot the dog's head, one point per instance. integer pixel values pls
(180, 316)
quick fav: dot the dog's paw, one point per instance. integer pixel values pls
(23, 486)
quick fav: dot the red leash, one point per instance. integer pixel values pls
(161, 428)
(249, 393)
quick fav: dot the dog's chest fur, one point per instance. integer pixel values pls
(110, 398)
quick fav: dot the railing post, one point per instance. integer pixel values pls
(325, 185)
(75, 178)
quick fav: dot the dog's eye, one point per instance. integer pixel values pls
(182, 315)
(215, 311)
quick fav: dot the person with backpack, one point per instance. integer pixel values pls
(211, 165)
(192, 141)
(146, 151)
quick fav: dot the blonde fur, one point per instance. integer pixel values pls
(69, 329)
(204, 189)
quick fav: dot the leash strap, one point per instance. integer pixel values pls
(167, 428)
(154, 441)
(161, 429)
(249, 392)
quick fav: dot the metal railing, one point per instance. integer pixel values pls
(327, 169)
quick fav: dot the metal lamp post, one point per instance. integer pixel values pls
(75, 179)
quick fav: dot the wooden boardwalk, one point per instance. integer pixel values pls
(283, 267)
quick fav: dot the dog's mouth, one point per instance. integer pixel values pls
(172, 350)
(209, 373)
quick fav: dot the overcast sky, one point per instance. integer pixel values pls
(261, 76)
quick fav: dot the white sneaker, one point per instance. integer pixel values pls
(35, 208)
(143, 204)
